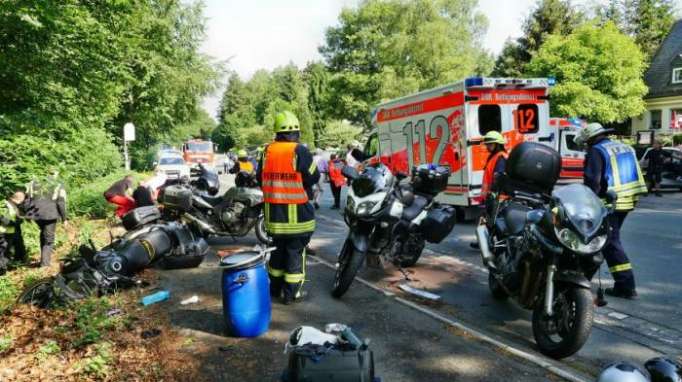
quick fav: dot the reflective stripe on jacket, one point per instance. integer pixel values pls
(489, 173)
(9, 211)
(282, 183)
(622, 173)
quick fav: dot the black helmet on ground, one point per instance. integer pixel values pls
(664, 369)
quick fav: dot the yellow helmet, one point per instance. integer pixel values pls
(242, 154)
(286, 121)
(494, 137)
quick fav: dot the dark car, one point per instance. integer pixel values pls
(671, 177)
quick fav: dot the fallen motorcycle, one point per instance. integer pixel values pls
(234, 214)
(389, 220)
(98, 272)
(543, 248)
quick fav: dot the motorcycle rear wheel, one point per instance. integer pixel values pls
(350, 261)
(261, 234)
(567, 331)
(410, 252)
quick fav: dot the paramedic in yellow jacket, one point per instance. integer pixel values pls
(286, 174)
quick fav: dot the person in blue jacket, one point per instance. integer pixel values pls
(611, 165)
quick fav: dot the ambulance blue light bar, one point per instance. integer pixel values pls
(486, 82)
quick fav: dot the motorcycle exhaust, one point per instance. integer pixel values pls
(483, 239)
(202, 224)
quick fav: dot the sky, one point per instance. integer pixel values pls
(257, 34)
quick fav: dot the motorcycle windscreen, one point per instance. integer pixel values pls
(373, 179)
(582, 207)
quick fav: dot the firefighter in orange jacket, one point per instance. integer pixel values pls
(497, 159)
(286, 174)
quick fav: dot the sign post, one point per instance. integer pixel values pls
(128, 136)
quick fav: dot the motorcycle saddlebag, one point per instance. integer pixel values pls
(336, 365)
(438, 223)
(431, 180)
(535, 165)
(177, 197)
(140, 216)
(188, 251)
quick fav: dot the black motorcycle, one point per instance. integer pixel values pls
(389, 220)
(543, 248)
(234, 214)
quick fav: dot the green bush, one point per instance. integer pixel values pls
(677, 139)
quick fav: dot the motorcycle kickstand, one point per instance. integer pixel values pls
(406, 276)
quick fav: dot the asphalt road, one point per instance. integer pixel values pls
(630, 330)
(624, 330)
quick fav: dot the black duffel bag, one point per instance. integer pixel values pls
(334, 365)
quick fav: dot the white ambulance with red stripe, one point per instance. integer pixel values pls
(445, 126)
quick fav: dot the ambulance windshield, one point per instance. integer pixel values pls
(489, 118)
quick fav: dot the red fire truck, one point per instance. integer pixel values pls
(196, 151)
(445, 125)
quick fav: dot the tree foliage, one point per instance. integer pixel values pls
(547, 18)
(339, 134)
(73, 71)
(598, 70)
(648, 21)
(386, 49)
(247, 109)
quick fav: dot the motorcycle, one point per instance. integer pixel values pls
(389, 220)
(543, 248)
(234, 214)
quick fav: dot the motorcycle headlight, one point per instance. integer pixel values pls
(365, 208)
(571, 240)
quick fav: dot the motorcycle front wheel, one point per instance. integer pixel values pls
(261, 234)
(563, 334)
(40, 294)
(349, 263)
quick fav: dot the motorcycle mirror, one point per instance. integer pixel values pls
(534, 216)
(350, 172)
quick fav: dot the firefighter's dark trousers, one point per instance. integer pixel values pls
(619, 264)
(48, 230)
(287, 265)
(4, 254)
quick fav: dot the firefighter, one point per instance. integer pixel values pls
(613, 166)
(243, 163)
(47, 205)
(494, 166)
(286, 174)
(10, 232)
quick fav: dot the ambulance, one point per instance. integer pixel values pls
(446, 125)
(572, 156)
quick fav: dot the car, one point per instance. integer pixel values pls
(173, 166)
(671, 177)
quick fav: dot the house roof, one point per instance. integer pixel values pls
(659, 76)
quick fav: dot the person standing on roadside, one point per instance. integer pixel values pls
(613, 166)
(119, 194)
(494, 166)
(286, 175)
(655, 168)
(46, 205)
(336, 179)
(321, 164)
(10, 232)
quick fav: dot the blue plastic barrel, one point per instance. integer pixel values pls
(246, 294)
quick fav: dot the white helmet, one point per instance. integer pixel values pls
(623, 372)
(590, 131)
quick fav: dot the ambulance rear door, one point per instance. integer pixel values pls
(517, 108)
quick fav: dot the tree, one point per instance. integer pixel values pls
(547, 18)
(339, 134)
(386, 49)
(598, 70)
(317, 79)
(648, 21)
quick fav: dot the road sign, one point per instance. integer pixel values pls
(128, 132)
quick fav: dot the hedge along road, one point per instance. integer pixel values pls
(630, 330)
(412, 341)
